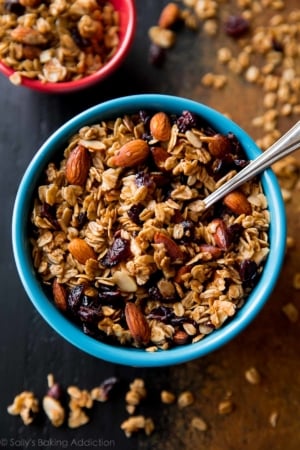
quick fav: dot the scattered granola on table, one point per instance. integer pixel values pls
(57, 41)
(26, 405)
(120, 238)
(136, 423)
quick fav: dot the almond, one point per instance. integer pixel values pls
(180, 273)
(220, 234)
(180, 337)
(173, 250)
(78, 166)
(169, 15)
(81, 250)
(218, 145)
(160, 126)
(212, 250)
(160, 156)
(137, 323)
(238, 203)
(28, 35)
(60, 295)
(131, 154)
(54, 410)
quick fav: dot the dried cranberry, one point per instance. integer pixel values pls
(119, 251)
(48, 212)
(14, 6)
(134, 212)
(277, 46)
(78, 39)
(236, 148)
(188, 231)
(89, 314)
(82, 217)
(240, 163)
(109, 294)
(234, 232)
(236, 26)
(154, 293)
(55, 391)
(248, 272)
(157, 55)
(107, 386)
(144, 179)
(75, 297)
(166, 314)
(186, 121)
(144, 116)
(161, 313)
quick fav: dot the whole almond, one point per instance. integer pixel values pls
(212, 250)
(131, 154)
(160, 155)
(173, 250)
(180, 337)
(137, 323)
(238, 203)
(219, 145)
(220, 234)
(169, 15)
(160, 126)
(60, 295)
(81, 250)
(181, 272)
(78, 165)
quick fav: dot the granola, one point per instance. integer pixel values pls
(57, 41)
(26, 405)
(133, 231)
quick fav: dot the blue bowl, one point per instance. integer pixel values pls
(133, 356)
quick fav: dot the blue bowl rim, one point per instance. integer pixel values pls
(131, 356)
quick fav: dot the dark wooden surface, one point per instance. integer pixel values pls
(30, 349)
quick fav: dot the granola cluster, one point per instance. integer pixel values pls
(57, 40)
(81, 402)
(126, 249)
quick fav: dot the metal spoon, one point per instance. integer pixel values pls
(287, 144)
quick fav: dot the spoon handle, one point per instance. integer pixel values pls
(287, 144)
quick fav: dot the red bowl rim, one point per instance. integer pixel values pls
(123, 6)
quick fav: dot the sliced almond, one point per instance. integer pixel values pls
(124, 281)
(137, 323)
(81, 250)
(54, 411)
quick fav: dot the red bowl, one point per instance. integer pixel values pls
(127, 14)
